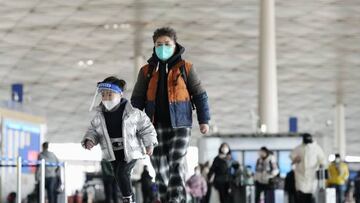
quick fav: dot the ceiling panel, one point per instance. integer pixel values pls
(318, 44)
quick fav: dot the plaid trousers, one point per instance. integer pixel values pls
(168, 162)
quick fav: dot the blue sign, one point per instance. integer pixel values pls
(17, 92)
(21, 139)
(293, 124)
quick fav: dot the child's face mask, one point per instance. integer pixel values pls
(110, 104)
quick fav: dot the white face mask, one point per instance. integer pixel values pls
(225, 150)
(197, 172)
(112, 103)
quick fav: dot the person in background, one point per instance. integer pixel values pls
(125, 133)
(308, 157)
(242, 178)
(50, 172)
(77, 197)
(357, 188)
(220, 169)
(266, 169)
(205, 168)
(290, 186)
(146, 185)
(237, 183)
(168, 88)
(248, 176)
(110, 186)
(11, 198)
(197, 186)
(338, 175)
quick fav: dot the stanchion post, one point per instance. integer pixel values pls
(18, 166)
(42, 181)
(65, 168)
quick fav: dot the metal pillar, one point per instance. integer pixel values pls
(340, 132)
(42, 181)
(18, 167)
(268, 99)
(65, 168)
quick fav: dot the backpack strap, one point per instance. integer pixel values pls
(184, 75)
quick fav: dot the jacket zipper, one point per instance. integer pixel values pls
(106, 134)
(125, 116)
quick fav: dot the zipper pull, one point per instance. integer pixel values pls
(157, 67)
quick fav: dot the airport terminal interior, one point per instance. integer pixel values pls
(272, 93)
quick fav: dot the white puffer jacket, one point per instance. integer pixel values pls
(311, 157)
(137, 131)
(266, 169)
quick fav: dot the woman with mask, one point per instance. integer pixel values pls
(124, 133)
(338, 176)
(266, 170)
(221, 169)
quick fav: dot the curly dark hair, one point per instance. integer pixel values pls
(165, 31)
(116, 81)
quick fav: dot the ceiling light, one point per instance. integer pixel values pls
(352, 158)
(115, 26)
(328, 122)
(89, 62)
(331, 157)
(125, 25)
(107, 26)
(81, 63)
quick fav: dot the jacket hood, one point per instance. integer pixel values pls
(179, 50)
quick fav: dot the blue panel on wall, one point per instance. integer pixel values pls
(17, 92)
(21, 139)
(293, 124)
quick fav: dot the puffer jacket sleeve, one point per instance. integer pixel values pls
(199, 96)
(138, 96)
(320, 156)
(275, 169)
(91, 133)
(145, 130)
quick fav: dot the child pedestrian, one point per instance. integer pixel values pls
(124, 133)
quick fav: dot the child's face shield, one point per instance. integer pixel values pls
(105, 92)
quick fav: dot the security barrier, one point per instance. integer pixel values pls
(19, 163)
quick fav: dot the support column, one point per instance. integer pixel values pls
(42, 181)
(19, 175)
(138, 63)
(65, 183)
(340, 133)
(268, 99)
(138, 37)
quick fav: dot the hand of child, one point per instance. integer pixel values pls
(204, 128)
(149, 150)
(89, 144)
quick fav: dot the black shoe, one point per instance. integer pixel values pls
(128, 200)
